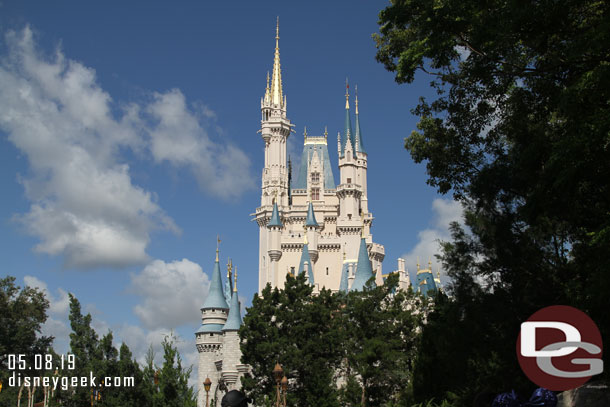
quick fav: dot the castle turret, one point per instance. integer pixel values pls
(231, 362)
(361, 160)
(349, 191)
(275, 129)
(311, 229)
(274, 246)
(208, 337)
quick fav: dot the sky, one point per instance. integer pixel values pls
(128, 142)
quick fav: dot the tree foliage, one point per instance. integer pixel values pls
(335, 349)
(520, 134)
(22, 313)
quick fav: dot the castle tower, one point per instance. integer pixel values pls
(232, 368)
(208, 338)
(275, 129)
(318, 217)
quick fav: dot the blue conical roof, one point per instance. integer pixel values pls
(234, 319)
(348, 131)
(311, 217)
(306, 261)
(364, 270)
(216, 298)
(275, 218)
(343, 286)
(358, 146)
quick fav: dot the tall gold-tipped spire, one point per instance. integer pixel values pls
(276, 78)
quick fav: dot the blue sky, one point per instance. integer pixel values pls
(128, 141)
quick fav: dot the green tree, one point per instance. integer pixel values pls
(169, 383)
(381, 340)
(520, 134)
(298, 330)
(100, 358)
(22, 313)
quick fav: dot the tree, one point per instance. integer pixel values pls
(519, 133)
(298, 330)
(381, 325)
(22, 313)
(170, 382)
(336, 349)
(100, 358)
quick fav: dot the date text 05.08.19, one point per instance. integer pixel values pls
(41, 362)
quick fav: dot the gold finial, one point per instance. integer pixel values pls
(356, 99)
(229, 268)
(305, 234)
(346, 94)
(344, 256)
(325, 132)
(305, 132)
(429, 264)
(274, 196)
(235, 280)
(267, 80)
(277, 28)
(417, 263)
(217, 245)
(276, 76)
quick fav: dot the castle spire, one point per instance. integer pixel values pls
(217, 246)
(235, 281)
(310, 221)
(276, 78)
(234, 319)
(358, 135)
(348, 122)
(364, 270)
(229, 282)
(275, 220)
(215, 298)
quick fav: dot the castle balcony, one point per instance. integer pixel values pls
(377, 251)
(350, 186)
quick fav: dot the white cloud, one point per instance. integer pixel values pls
(428, 245)
(84, 205)
(179, 138)
(172, 294)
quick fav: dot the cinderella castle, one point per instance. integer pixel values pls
(308, 223)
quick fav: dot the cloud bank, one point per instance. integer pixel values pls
(84, 204)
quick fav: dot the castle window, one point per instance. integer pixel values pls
(315, 177)
(326, 270)
(315, 194)
(292, 270)
(349, 180)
